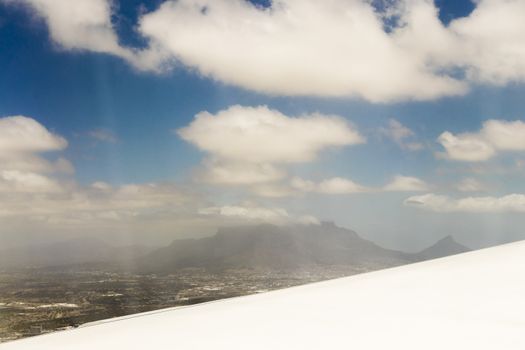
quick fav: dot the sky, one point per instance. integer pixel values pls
(145, 121)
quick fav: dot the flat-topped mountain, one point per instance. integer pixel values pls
(274, 247)
(263, 247)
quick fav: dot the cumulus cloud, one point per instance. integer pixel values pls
(318, 48)
(440, 203)
(19, 134)
(251, 212)
(492, 38)
(246, 145)
(31, 188)
(298, 186)
(27, 182)
(397, 131)
(86, 25)
(338, 185)
(63, 165)
(23, 140)
(274, 190)
(98, 207)
(238, 173)
(328, 48)
(401, 135)
(466, 147)
(101, 186)
(40, 193)
(487, 44)
(348, 50)
(505, 135)
(335, 185)
(470, 184)
(495, 136)
(103, 135)
(406, 183)
(263, 135)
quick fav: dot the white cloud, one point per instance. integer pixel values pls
(273, 190)
(81, 24)
(251, 212)
(238, 173)
(339, 185)
(401, 135)
(63, 165)
(303, 185)
(466, 147)
(22, 140)
(101, 186)
(397, 131)
(348, 50)
(296, 47)
(19, 134)
(495, 136)
(86, 25)
(130, 201)
(297, 186)
(50, 200)
(27, 182)
(413, 146)
(33, 163)
(249, 145)
(439, 203)
(335, 185)
(39, 193)
(492, 38)
(470, 184)
(30, 187)
(487, 44)
(308, 220)
(263, 135)
(103, 135)
(406, 183)
(505, 135)
(319, 48)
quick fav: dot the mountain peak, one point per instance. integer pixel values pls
(449, 239)
(266, 246)
(444, 247)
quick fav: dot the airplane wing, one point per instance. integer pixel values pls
(474, 300)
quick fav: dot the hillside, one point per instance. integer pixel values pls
(273, 247)
(264, 247)
(444, 247)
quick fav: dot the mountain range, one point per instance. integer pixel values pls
(272, 247)
(262, 246)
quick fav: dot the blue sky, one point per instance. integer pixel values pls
(120, 119)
